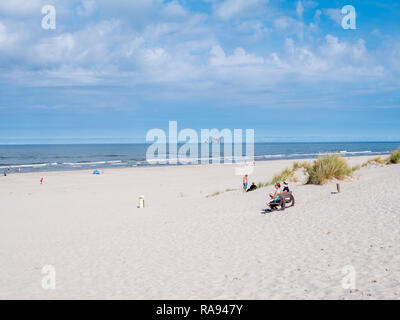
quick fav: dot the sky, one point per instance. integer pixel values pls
(111, 71)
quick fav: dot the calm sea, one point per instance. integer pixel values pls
(29, 158)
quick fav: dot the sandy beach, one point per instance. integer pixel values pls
(187, 244)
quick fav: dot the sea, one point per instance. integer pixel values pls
(31, 158)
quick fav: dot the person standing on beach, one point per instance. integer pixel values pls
(245, 183)
(41, 181)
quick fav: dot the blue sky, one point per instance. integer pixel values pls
(112, 70)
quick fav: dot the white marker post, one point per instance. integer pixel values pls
(141, 202)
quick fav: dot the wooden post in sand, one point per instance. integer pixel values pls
(141, 202)
(338, 187)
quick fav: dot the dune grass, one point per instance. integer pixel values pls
(214, 194)
(319, 172)
(217, 193)
(374, 161)
(327, 168)
(263, 184)
(288, 174)
(394, 157)
(301, 165)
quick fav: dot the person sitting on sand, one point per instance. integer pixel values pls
(252, 187)
(275, 196)
(285, 187)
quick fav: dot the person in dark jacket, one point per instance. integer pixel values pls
(285, 187)
(252, 187)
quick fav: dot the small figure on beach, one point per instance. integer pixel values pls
(245, 183)
(275, 196)
(41, 181)
(252, 187)
(285, 187)
(5, 173)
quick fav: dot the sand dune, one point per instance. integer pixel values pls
(185, 245)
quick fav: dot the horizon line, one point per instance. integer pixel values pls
(167, 143)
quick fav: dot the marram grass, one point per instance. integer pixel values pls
(327, 168)
(374, 161)
(394, 157)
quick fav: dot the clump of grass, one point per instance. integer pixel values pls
(287, 174)
(263, 185)
(301, 165)
(355, 168)
(327, 168)
(220, 192)
(394, 157)
(375, 161)
(214, 194)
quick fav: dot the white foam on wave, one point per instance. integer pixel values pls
(31, 165)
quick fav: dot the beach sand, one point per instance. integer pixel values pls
(185, 245)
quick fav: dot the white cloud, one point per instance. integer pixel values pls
(174, 9)
(239, 57)
(132, 46)
(8, 39)
(283, 23)
(333, 47)
(157, 55)
(90, 46)
(57, 49)
(86, 8)
(317, 15)
(21, 7)
(255, 28)
(334, 14)
(233, 8)
(302, 60)
(359, 49)
(134, 8)
(3, 34)
(289, 26)
(179, 49)
(299, 9)
(309, 4)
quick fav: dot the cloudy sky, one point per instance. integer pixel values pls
(112, 70)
